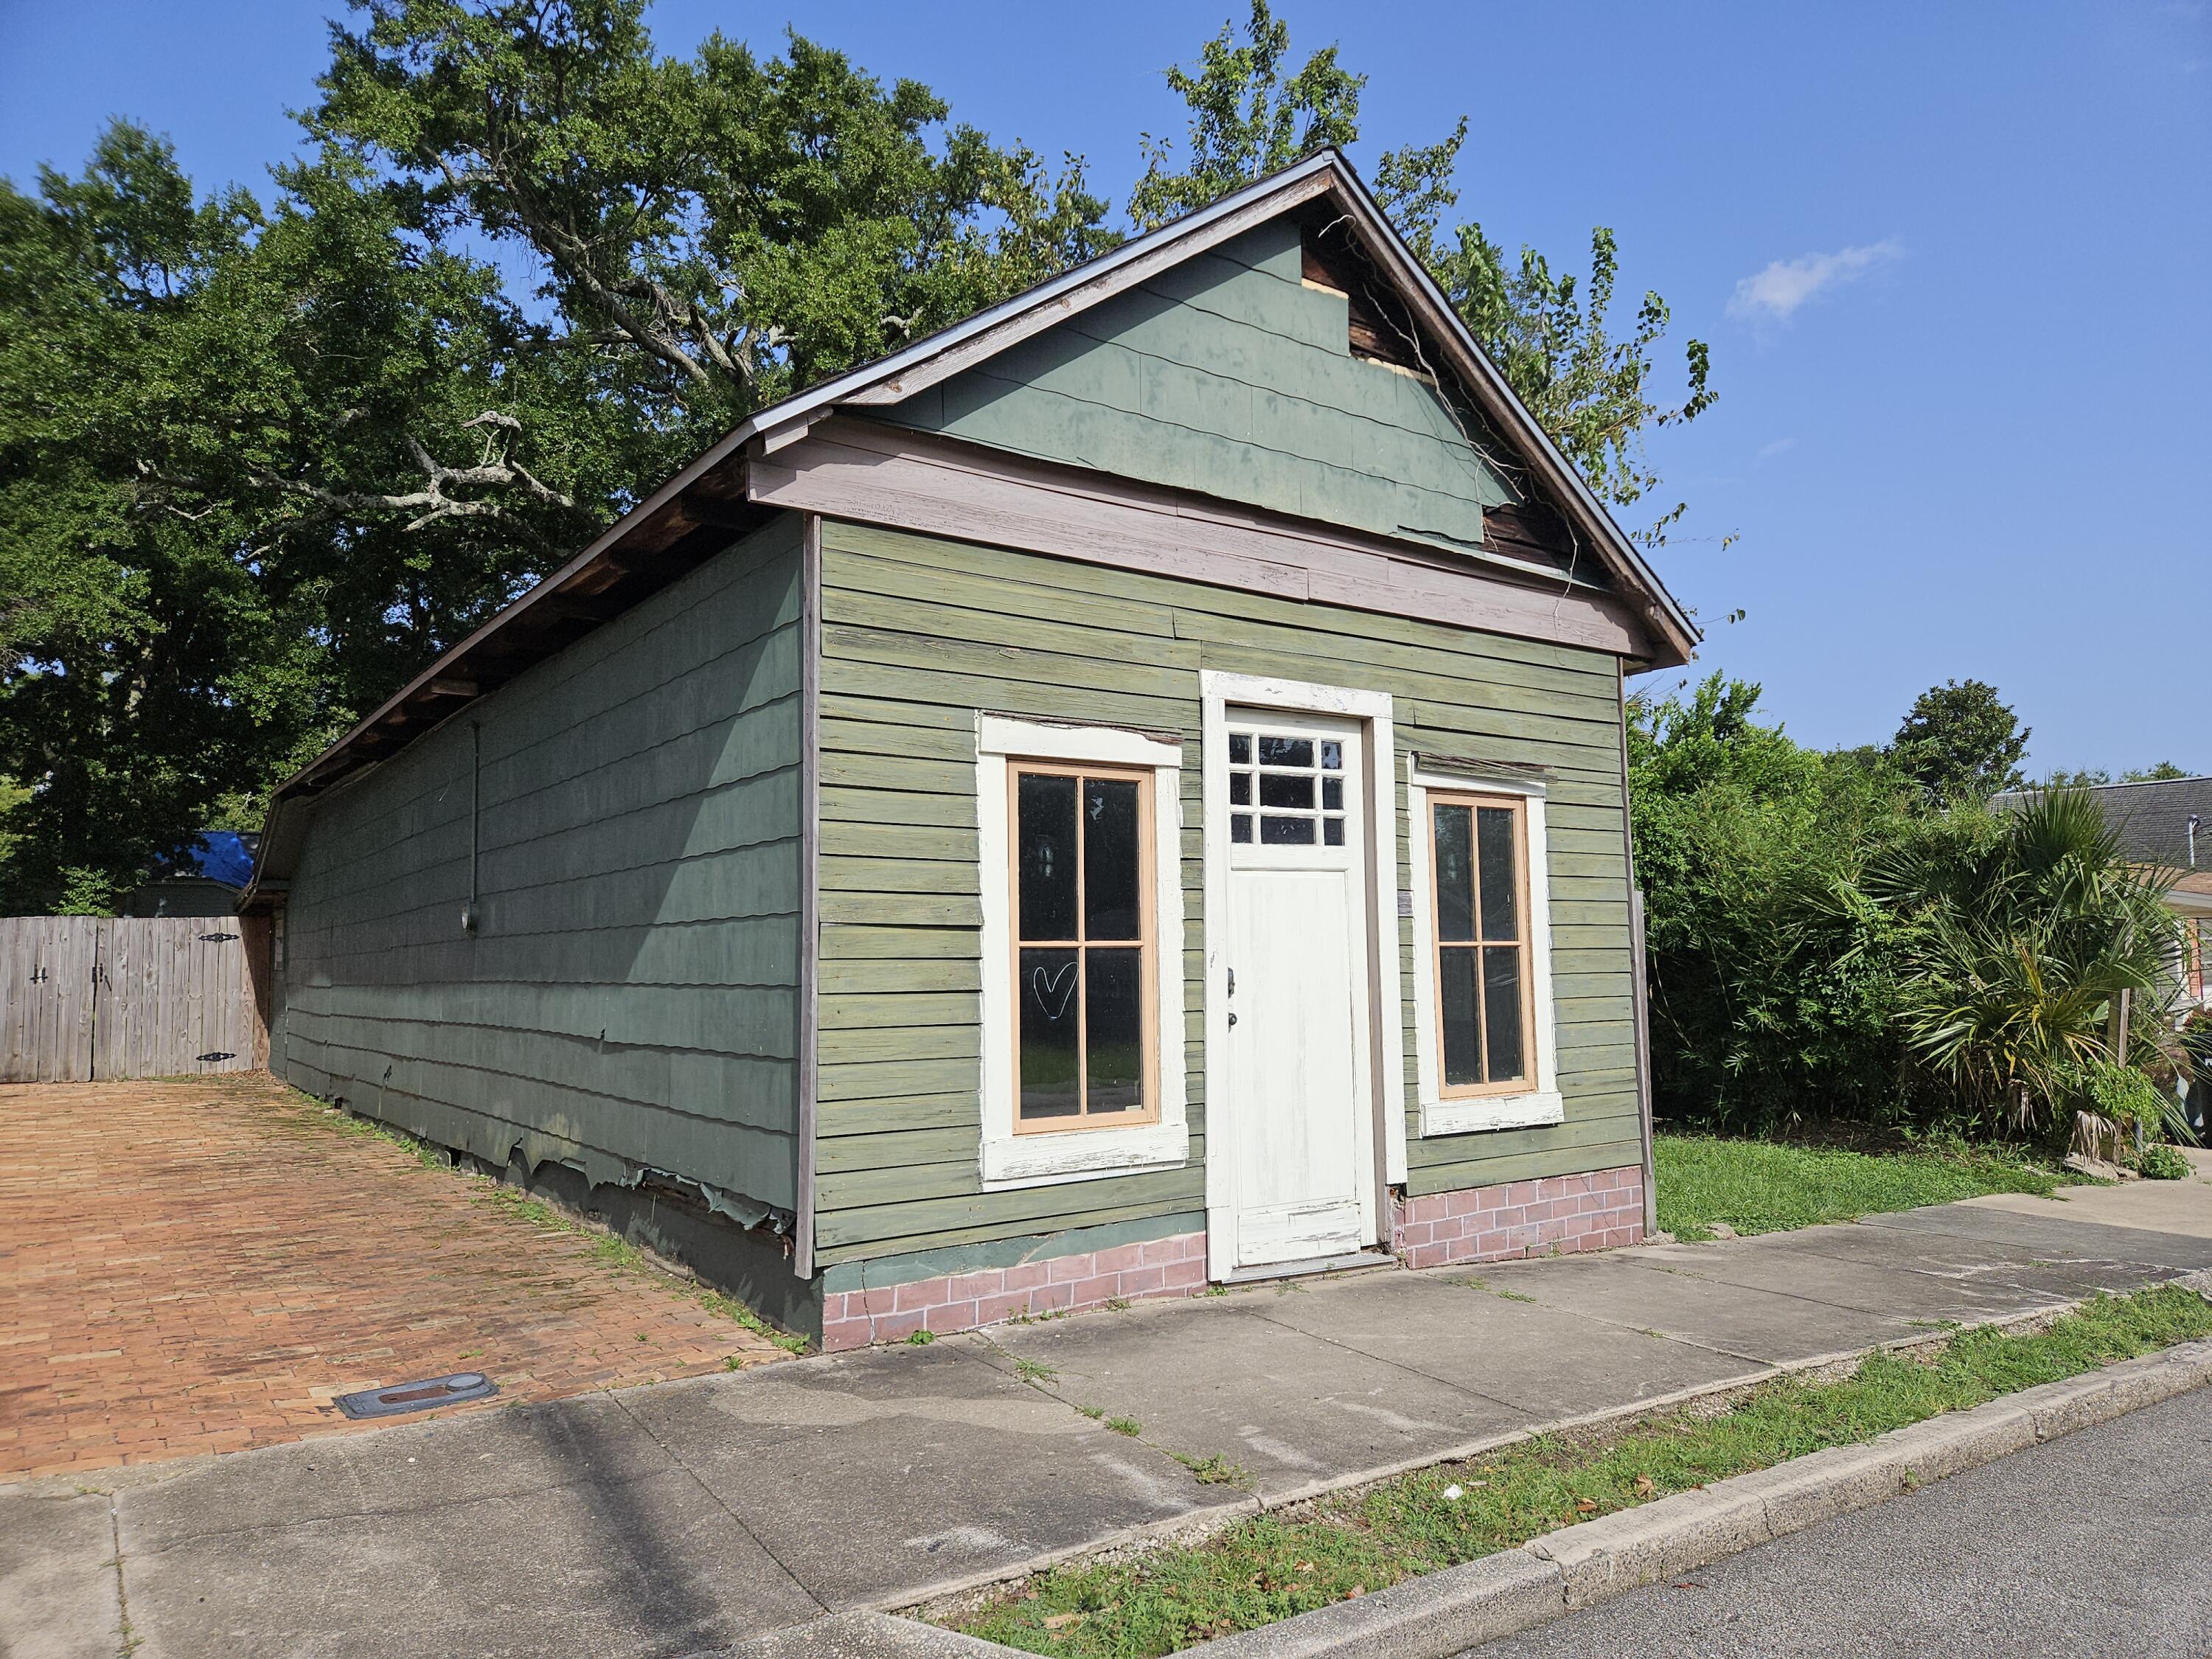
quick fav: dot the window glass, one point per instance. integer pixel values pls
(1109, 859)
(1462, 1018)
(1046, 826)
(1501, 884)
(1454, 873)
(1501, 1003)
(1298, 784)
(1481, 943)
(1115, 1044)
(1081, 897)
(1051, 1080)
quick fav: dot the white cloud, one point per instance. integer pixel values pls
(1768, 452)
(1777, 292)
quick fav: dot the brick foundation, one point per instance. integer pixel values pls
(1598, 1211)
(1060, 1284)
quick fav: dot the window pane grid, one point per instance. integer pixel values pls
(1081, 863)
(1295, 783)
(1479, 869)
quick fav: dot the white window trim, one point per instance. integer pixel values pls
(1542, 1104)
(1217, 692)
(1006, 1158)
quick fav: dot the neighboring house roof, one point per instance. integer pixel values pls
(691, 517)
(2152, 819)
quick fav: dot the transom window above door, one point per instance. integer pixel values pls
(1082, 948)
(1286, 791)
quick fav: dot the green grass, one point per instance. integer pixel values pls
(1762, 1187)
(1276, 1566)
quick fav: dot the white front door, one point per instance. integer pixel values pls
(1299, 1126)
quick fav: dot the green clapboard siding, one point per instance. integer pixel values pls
(1229, 376)
(629, 1000)
(919, 634)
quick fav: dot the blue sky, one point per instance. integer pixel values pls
(1952, 261)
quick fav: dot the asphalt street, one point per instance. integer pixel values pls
(2098, 1544)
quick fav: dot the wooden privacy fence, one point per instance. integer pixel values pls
(91, 997)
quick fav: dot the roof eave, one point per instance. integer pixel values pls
(708, 494)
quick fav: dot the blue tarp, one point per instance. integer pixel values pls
(220, 855)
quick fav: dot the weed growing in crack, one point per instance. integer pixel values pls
(1214, 1471)
(1476, 1284)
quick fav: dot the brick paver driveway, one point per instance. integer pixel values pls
(203, 1265)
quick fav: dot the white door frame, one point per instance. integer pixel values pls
(1218, 694)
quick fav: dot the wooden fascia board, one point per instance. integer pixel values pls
(570, 591)
(1476, 372)
(1163, 256)
(868, 473)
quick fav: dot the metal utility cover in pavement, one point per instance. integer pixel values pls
(404, 1397)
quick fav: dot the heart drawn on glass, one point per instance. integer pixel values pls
(1046, 987)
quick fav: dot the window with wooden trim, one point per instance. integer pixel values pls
(1083, 942)
(1483, 976)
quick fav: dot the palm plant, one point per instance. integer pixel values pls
(2015, 948)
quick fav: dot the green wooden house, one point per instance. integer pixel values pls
(1122, 793)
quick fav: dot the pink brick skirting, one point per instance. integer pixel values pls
(1598, 1211)
(1062, 1284)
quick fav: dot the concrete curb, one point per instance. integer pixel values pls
(1517, 1589)
(1194, 1526)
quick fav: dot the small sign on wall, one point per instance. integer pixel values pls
(1405, 901)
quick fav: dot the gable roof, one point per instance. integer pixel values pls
(939, 356)
(691, 515)
(2151, 817)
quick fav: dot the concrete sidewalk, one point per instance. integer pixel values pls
(669, 1520)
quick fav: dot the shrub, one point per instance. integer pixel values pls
(1770, 1002)
(2134, 1104)
(2163, 1163)
(1824, 943)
